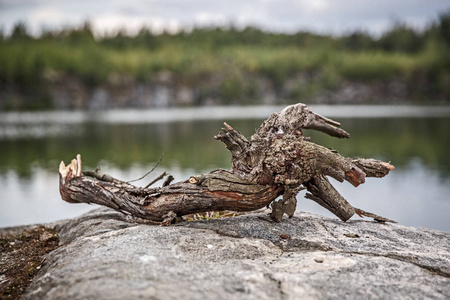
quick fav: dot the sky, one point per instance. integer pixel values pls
(321, 16)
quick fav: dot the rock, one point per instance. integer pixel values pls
(103, 256)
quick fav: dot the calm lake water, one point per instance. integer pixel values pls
(127, 144)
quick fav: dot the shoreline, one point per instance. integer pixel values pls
(71, 94)
(230, 112)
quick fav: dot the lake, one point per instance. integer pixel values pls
(127, 144)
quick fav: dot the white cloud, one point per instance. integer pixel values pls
(315, 6)
(203, 18)
(45, 15)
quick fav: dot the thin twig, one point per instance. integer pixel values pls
(361, 213)
(156, 179)
(157, 163)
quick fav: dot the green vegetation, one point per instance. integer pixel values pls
(236, 57)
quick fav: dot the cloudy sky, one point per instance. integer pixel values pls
(322, 16)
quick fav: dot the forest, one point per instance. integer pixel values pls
(237, 57)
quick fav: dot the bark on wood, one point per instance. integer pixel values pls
(277, 160)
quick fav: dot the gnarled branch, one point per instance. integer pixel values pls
(277, 160)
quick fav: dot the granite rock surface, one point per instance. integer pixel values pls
(104, 256)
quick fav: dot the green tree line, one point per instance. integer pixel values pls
(421, 59)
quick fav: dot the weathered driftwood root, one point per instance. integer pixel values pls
(277, 160)
(219, 190)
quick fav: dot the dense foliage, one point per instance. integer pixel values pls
(422, 59)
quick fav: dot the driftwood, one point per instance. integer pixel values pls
(277, 160)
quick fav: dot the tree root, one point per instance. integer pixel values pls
(277, 160)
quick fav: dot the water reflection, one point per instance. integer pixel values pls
(416, 193)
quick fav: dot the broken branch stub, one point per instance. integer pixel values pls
(277, 160)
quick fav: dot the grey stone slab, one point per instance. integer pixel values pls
(103, 256)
